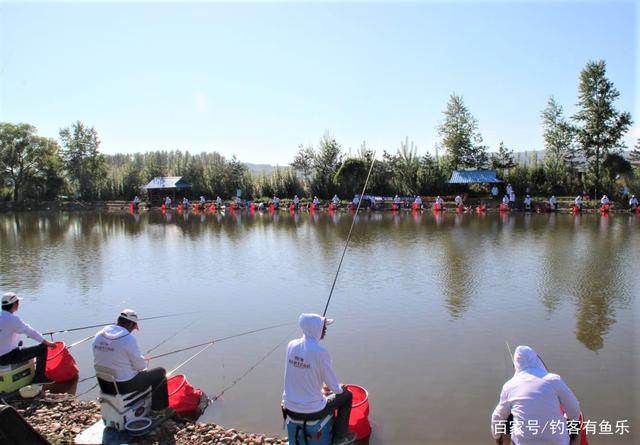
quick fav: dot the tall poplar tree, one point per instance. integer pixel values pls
(599, 126)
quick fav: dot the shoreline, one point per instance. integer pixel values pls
(61, 417)
(123, 206)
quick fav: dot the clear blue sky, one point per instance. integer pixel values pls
(258, 79)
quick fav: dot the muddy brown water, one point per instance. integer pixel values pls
(424, 305)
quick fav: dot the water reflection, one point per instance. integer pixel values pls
(588, 262)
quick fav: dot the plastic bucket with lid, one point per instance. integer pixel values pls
(61, 367)
(359, 418)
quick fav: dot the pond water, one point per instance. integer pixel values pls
(424, 305)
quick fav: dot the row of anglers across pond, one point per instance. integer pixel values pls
(317, 408)
(509, 202)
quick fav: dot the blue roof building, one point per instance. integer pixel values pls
(474, 177)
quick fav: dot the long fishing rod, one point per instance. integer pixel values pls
(251, 368)
(271, 351)
(346, 244)
(218, 340)
(205, 344)
(111, 322)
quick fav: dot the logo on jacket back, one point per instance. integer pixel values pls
(298, 362)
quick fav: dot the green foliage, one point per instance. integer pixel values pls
(85, 166)
(560, 151)
(635, 154)
(461, 137)
(29, 164)
(325, 165)
(503, 159)
(599, 126)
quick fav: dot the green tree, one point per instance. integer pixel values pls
(303, 161)
(559, 146)
(351, 176)
(84, 163)
(503, 159)
(599, 126)
(635, 154)
(29, 163)
(460, 136)
(405, 168)
(325, 165)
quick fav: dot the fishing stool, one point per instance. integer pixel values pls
(310, 432)
(117, 409)
(15, 376)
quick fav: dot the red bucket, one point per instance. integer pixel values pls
(184, 398)
(61, 367)
(359, 418)
(504, 207)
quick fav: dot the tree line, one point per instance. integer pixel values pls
(582, 153)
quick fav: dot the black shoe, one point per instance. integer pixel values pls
(349, 438)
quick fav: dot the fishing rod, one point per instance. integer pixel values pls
(106, 324)
(210, 342)
(206, 346)
(275, 348)
(251, 368)
(353, 222)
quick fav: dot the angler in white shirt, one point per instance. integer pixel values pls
(356, 201)
(11, 352)
(309, 377)
(167, 202)
(439, 200)
(459, 201)
(418, 200)
(396, 200)
(218, 201)
(552, 202)
(509, 189)
(202, 201)
(276, 202)
(185, 203)
(633, 202)
(296, 201)
(512, 199)
(316, 201)
(578, 202)
(136, 201)
(527, 202)
(604, 200)
(533, 396)
(505, 200)
(116, 349)
(335, 200)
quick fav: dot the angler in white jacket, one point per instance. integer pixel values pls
(311, 389)
(11, 352)
(533, 397)
(116, 349)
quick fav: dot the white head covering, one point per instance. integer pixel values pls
(526, 359)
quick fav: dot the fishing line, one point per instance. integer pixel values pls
(190, 358)
(106, 324)
(183, 328)
(251, 368)
(217, 340)
(207, 344)
(353, 222)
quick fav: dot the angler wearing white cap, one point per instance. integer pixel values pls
(311, 389)
(11, 326)
(116, 349)
(633, 202)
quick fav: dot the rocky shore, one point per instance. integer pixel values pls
(60, 417)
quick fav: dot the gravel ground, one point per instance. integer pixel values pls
(60, 417)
